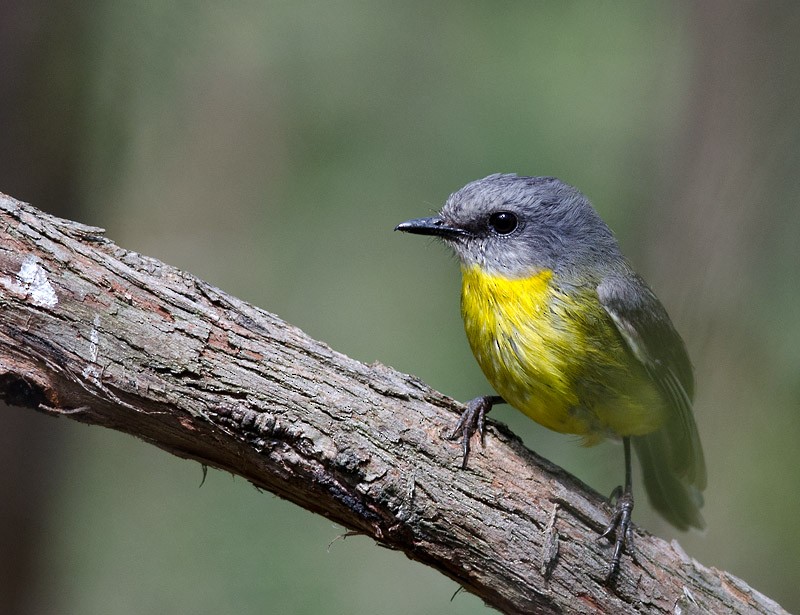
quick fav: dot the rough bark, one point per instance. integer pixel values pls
(109, 337)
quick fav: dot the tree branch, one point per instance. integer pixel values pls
(109, 337)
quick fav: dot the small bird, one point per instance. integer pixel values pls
(567, 333)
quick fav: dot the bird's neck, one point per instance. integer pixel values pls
(487, 296)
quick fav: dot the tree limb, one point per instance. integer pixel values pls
(109, 337)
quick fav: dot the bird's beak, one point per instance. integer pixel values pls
(430, 226)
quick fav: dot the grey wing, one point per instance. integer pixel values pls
(646, 328)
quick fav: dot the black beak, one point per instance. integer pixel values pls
(430, 226)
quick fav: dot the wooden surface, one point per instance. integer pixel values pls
(109, 337)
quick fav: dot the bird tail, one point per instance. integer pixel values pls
(673, 489)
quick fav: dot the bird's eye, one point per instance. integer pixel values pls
(503, 222)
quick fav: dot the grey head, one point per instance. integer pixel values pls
(514, 226)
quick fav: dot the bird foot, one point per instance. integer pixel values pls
(620, 527)
(473, 419)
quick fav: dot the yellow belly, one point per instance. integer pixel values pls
(557, 357)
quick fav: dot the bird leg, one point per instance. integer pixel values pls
(620, 524)
(473, 419)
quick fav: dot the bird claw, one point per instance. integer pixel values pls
(473, 419)
(620, 527)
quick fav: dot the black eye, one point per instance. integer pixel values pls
(503, 222)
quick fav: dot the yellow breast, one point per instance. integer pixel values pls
(555, 356)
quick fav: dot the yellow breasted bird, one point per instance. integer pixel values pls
(567, 333)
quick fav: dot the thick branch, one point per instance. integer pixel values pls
(113, 338)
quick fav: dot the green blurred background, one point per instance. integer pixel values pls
(271, 147)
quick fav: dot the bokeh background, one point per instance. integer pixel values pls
(270, 147)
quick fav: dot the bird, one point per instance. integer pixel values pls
(569, 334)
